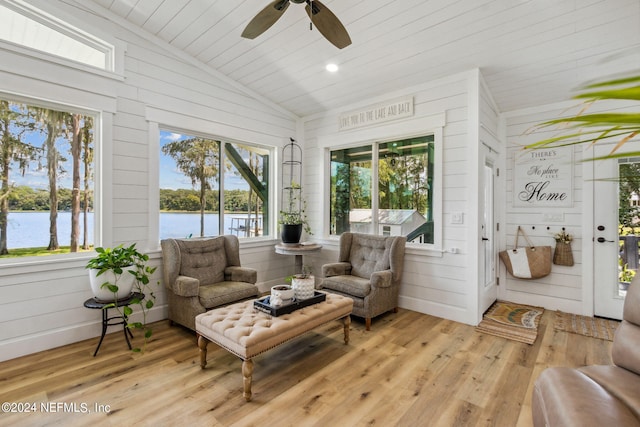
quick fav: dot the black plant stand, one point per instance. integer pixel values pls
(106, 320)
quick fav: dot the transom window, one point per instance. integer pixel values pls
(23, 25)
(384, 188)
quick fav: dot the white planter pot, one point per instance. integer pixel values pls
(286, 293)
(124, 281)
(303, 288)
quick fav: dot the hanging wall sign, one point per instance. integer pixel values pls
(384, 112)
(543, 178)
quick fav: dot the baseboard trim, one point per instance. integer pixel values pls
(47, 340)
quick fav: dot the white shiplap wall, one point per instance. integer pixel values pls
(569, 289)
(41, 303)
(437, 283)
(563, 288)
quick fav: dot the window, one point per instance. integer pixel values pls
(394, 198)
(198, 175)
(46, 173)
(25, 26)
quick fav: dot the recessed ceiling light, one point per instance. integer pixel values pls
(332, 68)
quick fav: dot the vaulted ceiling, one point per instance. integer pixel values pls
(530, 52)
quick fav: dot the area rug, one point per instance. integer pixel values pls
(512, 321)
(595, 327)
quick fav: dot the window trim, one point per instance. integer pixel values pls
(102, 183)
(437, 132)
(154, 174)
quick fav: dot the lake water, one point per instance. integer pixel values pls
(31, 229)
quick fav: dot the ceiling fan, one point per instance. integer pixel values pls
(326, 22)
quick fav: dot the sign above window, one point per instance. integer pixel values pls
(395, 109)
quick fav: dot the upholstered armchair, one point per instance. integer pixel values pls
(204, 273)
(369, 270)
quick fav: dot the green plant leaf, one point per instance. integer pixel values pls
(112, 288)
(630, 93)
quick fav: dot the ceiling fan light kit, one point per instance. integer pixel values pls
(323, 19)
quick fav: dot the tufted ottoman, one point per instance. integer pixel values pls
(247, 332)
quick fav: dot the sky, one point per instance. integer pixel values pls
(170, 177)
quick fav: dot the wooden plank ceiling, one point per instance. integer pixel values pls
(531, 52)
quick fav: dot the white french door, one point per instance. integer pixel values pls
(488, 291)
(611, 251)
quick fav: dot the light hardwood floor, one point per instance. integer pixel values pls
(409, 370)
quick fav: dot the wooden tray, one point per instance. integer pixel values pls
(262, 304)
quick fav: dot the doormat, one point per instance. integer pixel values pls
(595, 327)
(512, 321)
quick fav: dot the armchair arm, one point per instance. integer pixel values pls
(241, 274)
(186, 286)
(381, 279)
(336, 269)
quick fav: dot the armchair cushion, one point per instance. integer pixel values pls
(222, 293)
(204, 260)
(348, 285)
(368, 255)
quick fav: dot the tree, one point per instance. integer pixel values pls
(197, 158)
(87, 160)
(53, 122)
(14, 122)
(73, 123)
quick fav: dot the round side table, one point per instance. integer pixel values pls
(298, 250)
(114, 320)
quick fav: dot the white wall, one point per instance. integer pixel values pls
(562, 289)
(569, 289)
(437, 283)
(41, 302)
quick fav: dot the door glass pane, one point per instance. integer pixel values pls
(628, 222)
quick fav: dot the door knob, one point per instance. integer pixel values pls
(601, 228)
(484, 239)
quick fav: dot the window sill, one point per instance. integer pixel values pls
(411, 248)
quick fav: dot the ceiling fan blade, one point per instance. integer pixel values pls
(328, 24)
(265, 19)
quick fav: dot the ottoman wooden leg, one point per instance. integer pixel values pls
(202, 345)
(347, 323)
(247, 372)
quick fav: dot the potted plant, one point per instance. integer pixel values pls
(625, 276)
(114, 273)
(303, 284)
(293, 220)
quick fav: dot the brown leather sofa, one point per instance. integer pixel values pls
(605, 396)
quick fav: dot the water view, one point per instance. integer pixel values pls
(31, 229)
